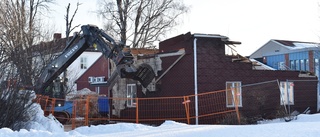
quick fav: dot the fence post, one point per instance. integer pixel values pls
(45, 106)
(53, 103)
(236, 106)
(288, 97)
(37, 99)
(74, 111)
(87, 111)
(186, 102)
(137, 110)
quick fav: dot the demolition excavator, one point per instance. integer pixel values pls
(89, 36)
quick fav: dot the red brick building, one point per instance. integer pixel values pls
(215, 70)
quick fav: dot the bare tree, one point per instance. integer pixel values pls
(20, 29)
(15, 107)
(15, 103)
(141, 22)
(69, 21)
(69, 28)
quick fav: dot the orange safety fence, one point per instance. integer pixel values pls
(50, 105)
(90, 110)
(46, 103)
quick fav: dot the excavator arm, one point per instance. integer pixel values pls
(93, 36)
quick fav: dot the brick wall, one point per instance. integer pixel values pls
(215, 69)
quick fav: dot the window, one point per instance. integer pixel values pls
(302, 65)
(233, 94)
(286, 96)
(292, 65)
(131, 95)
(83, 63)
(307, 65)
(297, 65)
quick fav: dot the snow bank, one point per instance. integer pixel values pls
(305, 126)
(40, 122)
(112, 128)
(6, 132)
(40, 126)
(171, 123)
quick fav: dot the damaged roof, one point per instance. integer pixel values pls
(143, 51)
(225, 39)
(256, 65)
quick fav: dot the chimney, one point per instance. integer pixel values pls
(56, 36)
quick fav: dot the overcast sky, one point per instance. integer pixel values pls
(252, 22)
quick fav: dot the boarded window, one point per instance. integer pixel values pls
(131, 95)
(233, 94)
(287, 93)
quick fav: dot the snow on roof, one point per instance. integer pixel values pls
(299, 45)
(295, 45)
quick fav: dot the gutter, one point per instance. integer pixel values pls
(195, 80)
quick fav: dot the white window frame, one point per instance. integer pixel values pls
(83, 62)
(131, 95)
(284, 93)
(234, 88)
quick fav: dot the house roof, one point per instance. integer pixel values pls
(55, 46)
(293, 45)
(277, 47)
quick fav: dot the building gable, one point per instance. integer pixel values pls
(98, 69)
(276, 47)
(272, 47)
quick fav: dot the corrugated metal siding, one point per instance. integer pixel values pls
(316, 54)
(298, 55)
(273, 61)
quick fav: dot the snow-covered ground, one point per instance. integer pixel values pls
(305, 126)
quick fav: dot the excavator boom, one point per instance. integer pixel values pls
(92, 35)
